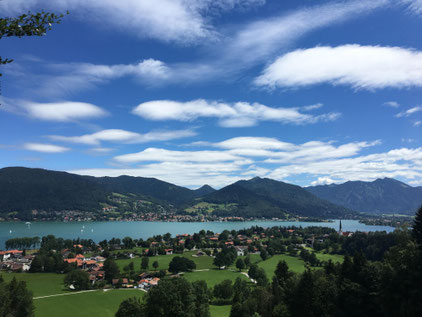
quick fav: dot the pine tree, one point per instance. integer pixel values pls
(417, 227)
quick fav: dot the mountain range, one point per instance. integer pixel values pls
(25, 189)
(382, 196)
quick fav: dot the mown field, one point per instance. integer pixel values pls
(213, 276)
(41, 284)
(220, 311)
(96, 303)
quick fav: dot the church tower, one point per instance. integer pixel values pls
(340, 229)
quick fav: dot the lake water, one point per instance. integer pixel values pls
(98, 231)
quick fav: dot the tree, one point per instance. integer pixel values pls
(131, 307)
(111, 270)
(36, 265)
(202, 298)
(240, 264)
(225, 258)
(78, 278)
(155, 265)
(128, 243)
(15, 299)
(144, 263)
(29, 24)
(171, 297)
(417, 227)
(240, 290)
(264, 254)
(224, 290)
(181, 264)
(248, 260)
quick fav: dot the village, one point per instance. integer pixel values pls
(90, 257)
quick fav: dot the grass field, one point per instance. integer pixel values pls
(41, 284)
(202, 262)
(97, 303)
(220, 311)
(336, 258)
(214, 276)
(295, 264)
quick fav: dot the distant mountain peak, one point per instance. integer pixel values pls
(383, 195)
(204, 190)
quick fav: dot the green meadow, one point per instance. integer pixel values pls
(220, 311)
(95, 303)
(41, 284)
(213, 276)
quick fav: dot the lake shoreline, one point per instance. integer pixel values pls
(99, 231)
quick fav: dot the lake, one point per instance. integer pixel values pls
(98, 231)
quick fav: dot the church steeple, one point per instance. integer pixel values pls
(340, 229)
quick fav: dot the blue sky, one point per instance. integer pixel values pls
(201, 91)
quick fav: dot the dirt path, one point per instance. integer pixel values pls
(65, 294)
(91, 290)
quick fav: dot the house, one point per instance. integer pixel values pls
(168, 251)
(145, 276)
(241, 250)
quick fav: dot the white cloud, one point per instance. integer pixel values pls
(239, 114)
(261, 39)
(62, 111)
(392, 104)
(245, 157)
(163, 155)
(182, 21)
(414, 5)
(322, 181)
(45, 148)
(409, 112)
(361, 67)
(398, 163)
(417, 123)
(181, 173)
(123, 136)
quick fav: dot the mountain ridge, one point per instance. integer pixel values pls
(381, 196)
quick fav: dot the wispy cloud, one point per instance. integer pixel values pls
(163, 155)
(238, 48)
(45, 148)
(392, 104)
(62, 111)
(361, 67)
(238, 114)
(409, 112)
(123, 136)
(414, 6)
(182, 21)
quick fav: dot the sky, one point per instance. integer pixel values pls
(200, 92)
